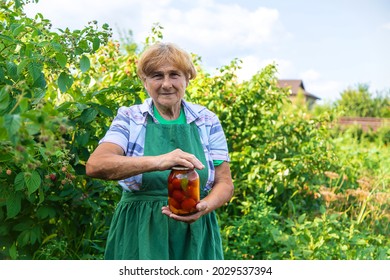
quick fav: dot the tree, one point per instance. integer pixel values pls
(359, 102)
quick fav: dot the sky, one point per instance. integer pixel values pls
(330, 45)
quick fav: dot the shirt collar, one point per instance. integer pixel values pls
(146, 107)
(191, 110)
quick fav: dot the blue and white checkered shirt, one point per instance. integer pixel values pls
(129, 126)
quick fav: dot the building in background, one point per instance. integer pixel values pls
(297, 87)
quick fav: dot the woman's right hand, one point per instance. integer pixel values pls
(109, 163)
(178, 157)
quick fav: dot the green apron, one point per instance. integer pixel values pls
(139, 231)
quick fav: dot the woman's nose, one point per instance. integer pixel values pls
(167, 83)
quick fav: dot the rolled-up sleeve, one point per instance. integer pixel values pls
(217, 141)
(119, 131)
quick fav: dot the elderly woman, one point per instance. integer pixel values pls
(143, 143)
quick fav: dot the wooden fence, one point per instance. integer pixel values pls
(365, 123)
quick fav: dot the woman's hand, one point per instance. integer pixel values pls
(201, 207)
(178, 157)
(108, 162)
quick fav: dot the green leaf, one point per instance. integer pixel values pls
(33, 128)
(106, 111)
(35, 234)
(35, 70)
(87, 79)
(56, 46)
(64, 106)
(33, 182)
(13, 204)
(95, 44)
(2, 76)
(302, 218)
(184, 184)
(40, 82)
(18, 4)
(84, 64)
(88, 115)
(23, 225)
(22, 65)
(4, 157)
(82, 138)
(19, 28)
(12, 70)
(12, 124)
(19, 181)
(61, 59)
(27, 50)
(83, 46)
(7, 38)
(39, 93)
(361, 242)
(78, 51)
(51, 236)
(4, 99)
(41, 195)
(13, 252)
(45, 212)
(64, 81)
(24, 238)
(4, 229)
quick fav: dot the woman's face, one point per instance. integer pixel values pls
(166, 86)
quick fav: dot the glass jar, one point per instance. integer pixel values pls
(183, 190)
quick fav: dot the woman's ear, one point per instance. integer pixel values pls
(145, 84)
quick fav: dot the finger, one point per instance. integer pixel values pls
(197, 163)
(201, 206)
(166, 213)
(165, 207)
(194, 162)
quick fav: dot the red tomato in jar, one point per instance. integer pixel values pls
(188, 204)
(178, 195)
(170, 188)
(193, 192)
(176, 183)
(174, 203)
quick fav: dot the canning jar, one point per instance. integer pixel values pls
(183, 190)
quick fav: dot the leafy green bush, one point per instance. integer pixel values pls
(45, 199)
(328, 237)
(271, 152)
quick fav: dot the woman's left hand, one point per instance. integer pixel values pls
(201, 207)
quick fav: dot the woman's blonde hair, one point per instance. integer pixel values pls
(161, 53)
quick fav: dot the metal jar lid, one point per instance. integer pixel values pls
(180, 167)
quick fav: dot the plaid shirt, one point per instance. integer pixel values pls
(129, 126)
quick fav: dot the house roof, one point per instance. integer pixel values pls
(296, 86)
